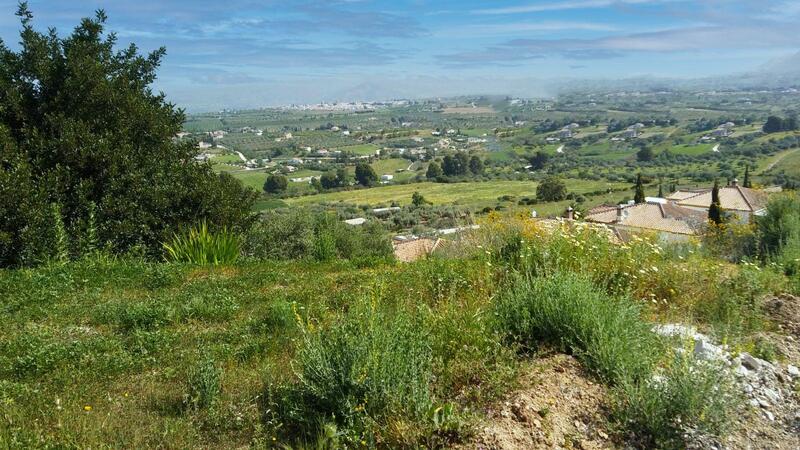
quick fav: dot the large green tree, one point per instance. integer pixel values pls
(89, 134)
(365, 174)
(551, 189)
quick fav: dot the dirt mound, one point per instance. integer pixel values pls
(785, 311)
(559, 406)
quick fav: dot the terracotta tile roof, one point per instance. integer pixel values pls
(734, 198)
(412, 250)
(664, 217)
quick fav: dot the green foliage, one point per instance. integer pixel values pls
(418, 200)
(747, 183)
(371, 366)
(86, 128)
(276, 184)
(299, 234)
(646, 154)
(776, 124)
(780, 233)
(715, 211)
(365, 174)
(203, 385)
(476, 165)
(568, 312)
(638, 194)
(434, 171)
(687, 392)
(551, 189)
(200, 245)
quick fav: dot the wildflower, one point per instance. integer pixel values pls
(87, 408)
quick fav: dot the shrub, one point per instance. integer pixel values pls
(568, 312)
(364, 371)
(687, 393)
(199, 245)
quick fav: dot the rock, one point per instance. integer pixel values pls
(793, 371)
(769, 416)
(707, 351)
(772, 395)
(751, 362)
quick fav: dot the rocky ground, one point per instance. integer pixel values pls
(560, 406)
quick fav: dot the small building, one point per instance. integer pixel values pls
(387, 177)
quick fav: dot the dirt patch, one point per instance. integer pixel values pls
(559, 406)
(785, 311)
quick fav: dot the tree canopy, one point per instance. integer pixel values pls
(84, 130)
(551, 189)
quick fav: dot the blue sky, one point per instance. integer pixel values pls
(249, 53)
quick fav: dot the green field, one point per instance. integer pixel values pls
(361, 149)
(472, 194)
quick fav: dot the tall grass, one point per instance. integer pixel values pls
(199, 245)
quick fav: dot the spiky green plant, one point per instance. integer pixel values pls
(199, 245)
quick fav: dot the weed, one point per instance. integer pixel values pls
(203, 385)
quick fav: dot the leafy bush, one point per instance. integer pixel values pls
(608, 335)
(199, 245)
(359, 374)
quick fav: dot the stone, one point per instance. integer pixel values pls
(769, 416)
(772, 395)
(707, 351)
(751, 362)
(793, 371)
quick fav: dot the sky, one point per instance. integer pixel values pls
(257, 53)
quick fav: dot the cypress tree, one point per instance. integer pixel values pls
(638, 196)
(661, 190)
(715, 210)
(747, 183)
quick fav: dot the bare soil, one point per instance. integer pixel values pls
(559, 406)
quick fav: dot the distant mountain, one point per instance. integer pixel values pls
(783, 65)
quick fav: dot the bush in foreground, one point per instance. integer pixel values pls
(570, 313)
(361, 374)
(654, 401)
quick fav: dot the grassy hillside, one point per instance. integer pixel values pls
(339, 354)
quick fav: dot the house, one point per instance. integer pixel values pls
(672, 223)
(409, 250)
(565, 133)
(387, 177)
(741, 201)
(633, 131)
(346, 133)
(204, 145)
(182, 135)
(724, 130)
(335, 128)
(551, 139)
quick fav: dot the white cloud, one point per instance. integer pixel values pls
(560, 6)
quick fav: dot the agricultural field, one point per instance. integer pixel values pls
(473, 194)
